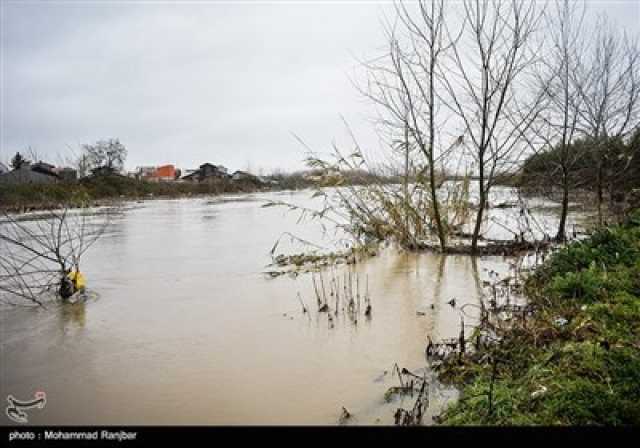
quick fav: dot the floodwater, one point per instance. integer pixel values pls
(182, 326)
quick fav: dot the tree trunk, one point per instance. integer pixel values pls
(479, 215)
(561, 234)
(432, 168)
(436, 208)
(482, 200)
(600, 194)
(406, 183)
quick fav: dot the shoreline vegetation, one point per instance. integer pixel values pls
(107, 189)
(572, 357)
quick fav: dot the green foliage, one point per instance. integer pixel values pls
(590, 285)
(586, 372)
(606, 248)
(618, 158)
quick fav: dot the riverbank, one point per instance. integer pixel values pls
(575, 359)
(104, 190)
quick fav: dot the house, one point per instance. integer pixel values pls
(156, 174)
(44, 168)
(166, 173)
(207, 172)
(247, 177)
(188, 174)
(27, 175)
(144, 172)
(242, 175)
(38, 173)
(105, 171)
(191, 176)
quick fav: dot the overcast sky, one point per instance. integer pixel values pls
(192, 82)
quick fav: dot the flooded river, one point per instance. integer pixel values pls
(183, 327)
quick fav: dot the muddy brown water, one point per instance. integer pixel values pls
(182, 327)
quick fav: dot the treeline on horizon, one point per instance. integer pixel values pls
(607, 166)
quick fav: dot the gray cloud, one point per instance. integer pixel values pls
(186, 83)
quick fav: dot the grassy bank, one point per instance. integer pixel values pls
(104, 188)
(576, 359)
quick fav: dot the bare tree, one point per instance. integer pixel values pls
(403, 83)
(558, 80)
(78, 161)
(106, 154)
(37, 251)
(608, 82)
(482, 85)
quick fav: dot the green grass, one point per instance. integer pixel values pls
(589, 369)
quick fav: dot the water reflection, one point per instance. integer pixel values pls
(73, 316)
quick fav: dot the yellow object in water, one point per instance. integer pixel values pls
(78, 279)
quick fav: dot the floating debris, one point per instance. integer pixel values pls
(345, 416)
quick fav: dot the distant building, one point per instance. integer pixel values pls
(144, 172)
(26, 174)
(37, 173)
(210, 170)
(162, 173)
(166, 173)
(207, 172)
(105, 171)
(44, 168)
(243, 175)
(3, 168)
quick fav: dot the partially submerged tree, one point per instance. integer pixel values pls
(403, 86)
(484, 84)
(37, 251)
(493, 87)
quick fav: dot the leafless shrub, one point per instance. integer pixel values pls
(36, 251)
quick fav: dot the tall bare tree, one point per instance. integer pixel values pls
(403, 84)
(608, 81)
(558, 80)
(109, 155)
(484, 84)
